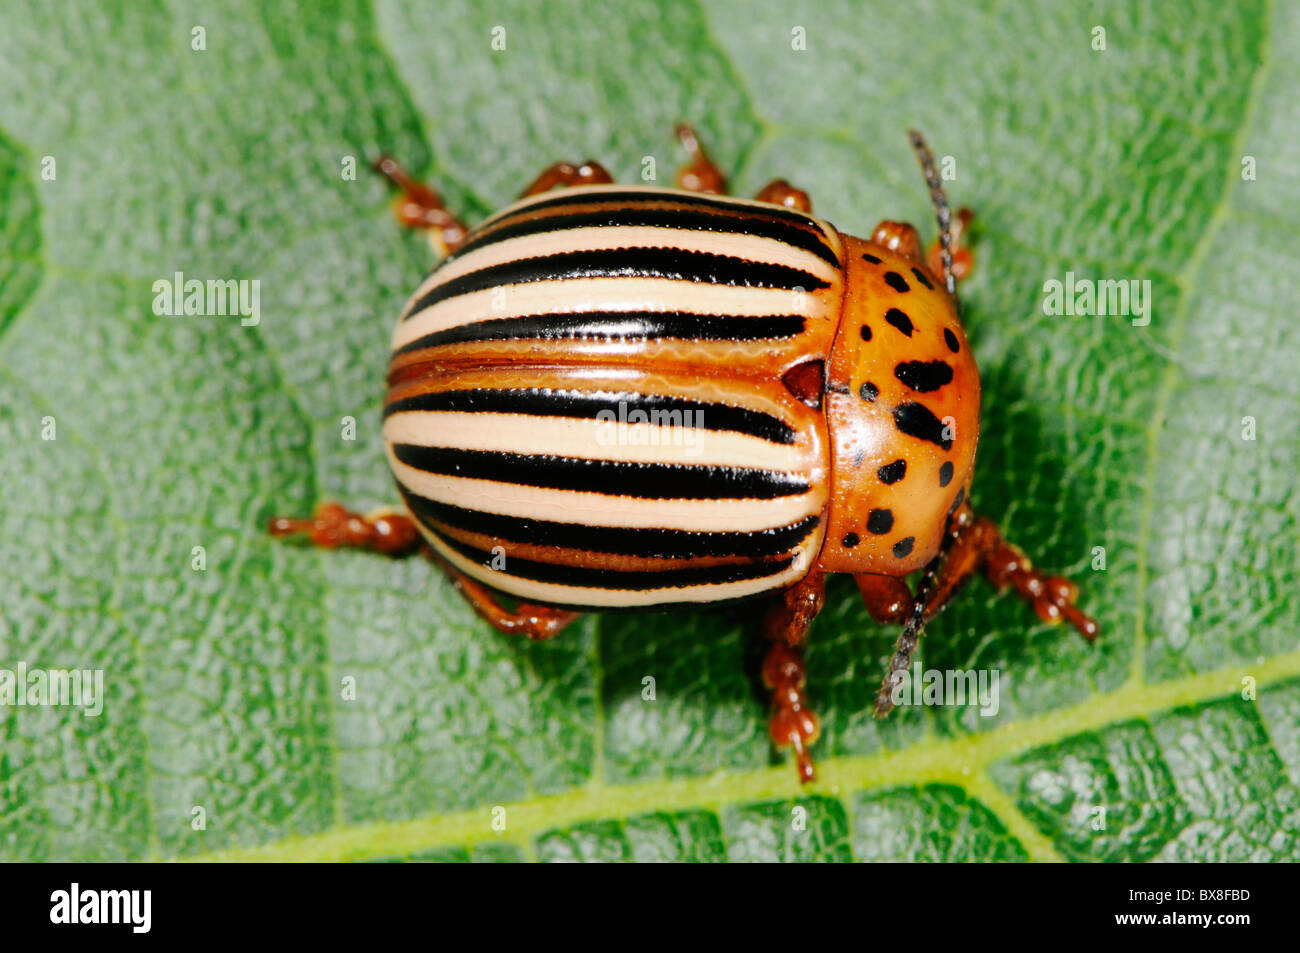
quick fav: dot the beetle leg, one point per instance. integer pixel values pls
(974, 543)
(780, 192)
(699, 174)
(978, 544)
(900, 237)
(963, 261)
(419, 206)
(394, 533)
(792, 724)
(565, 174)
(332, 526)
(529, 619)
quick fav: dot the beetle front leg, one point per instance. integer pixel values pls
(979, 544)
(420, 206)
(793, 724)
(975, 543)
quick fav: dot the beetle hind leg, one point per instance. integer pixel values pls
(419, 206)
(792, 724)
(699, 174)
(782, 193)
(536, 622)
(566, 174)
(332, 527)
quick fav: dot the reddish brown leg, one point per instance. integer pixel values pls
(793, 724)
(332, 527)
(529, 619)
(900, 237)
(780, 192)
(395, 534)
(566, 174)
(699, 174)
(978, 544)
(419, 206)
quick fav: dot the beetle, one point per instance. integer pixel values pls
(609, 397)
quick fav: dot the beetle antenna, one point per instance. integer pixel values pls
(939, 199)
(913, 629)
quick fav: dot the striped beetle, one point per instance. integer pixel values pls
(610, 397)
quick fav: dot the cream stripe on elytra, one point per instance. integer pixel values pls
(606, 294)
(601, 509)
(748, 247)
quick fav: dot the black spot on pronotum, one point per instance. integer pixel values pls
(871, 258)
(868, 392)
(865, 332)
(924, 376)
(945, 473)
(961, 496)
(899, 320)
(892, 472)
(920, 276)
(951, 340)
(851, 540)
(904, 547)
(896, 281)
(916, 420)
(880, 522)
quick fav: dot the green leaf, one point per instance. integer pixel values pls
(224, 687)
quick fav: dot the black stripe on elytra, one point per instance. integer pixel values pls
(642, 217)
(681, 325)
(694, 266)
(650, 481)
(924, 376)
(553, 402)
(639, 579)
(916, 420)
(621, 198)
(647, 543)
